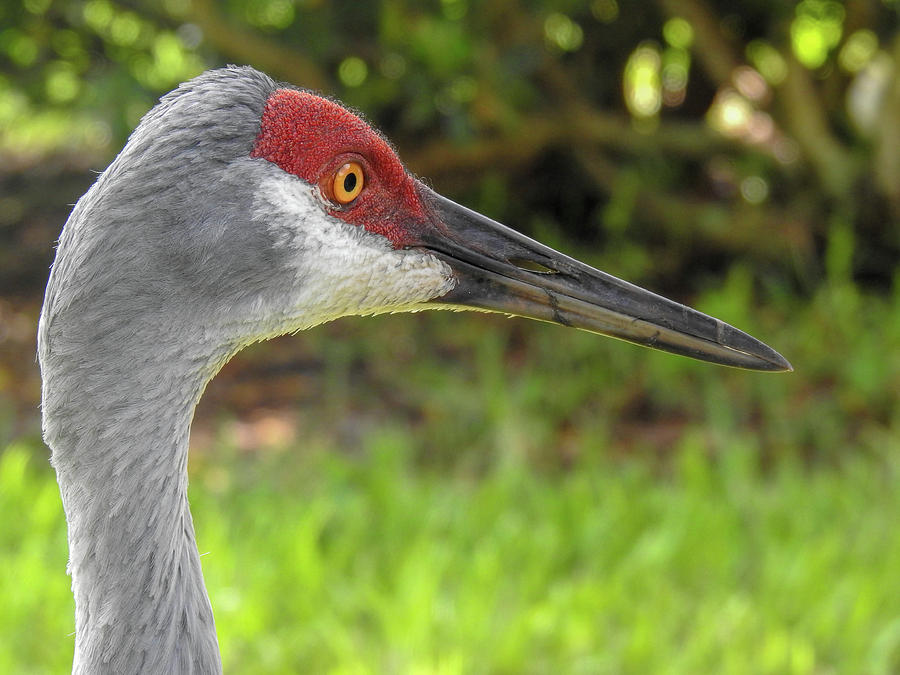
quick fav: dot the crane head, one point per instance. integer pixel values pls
(273, 209)
(357, 177)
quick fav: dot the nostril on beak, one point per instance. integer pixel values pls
(532, 266)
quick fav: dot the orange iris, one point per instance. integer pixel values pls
(348, 183)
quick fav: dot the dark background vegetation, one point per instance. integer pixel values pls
(743, 157)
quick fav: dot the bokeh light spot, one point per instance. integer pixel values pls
(393, 66)
(678, 33)
(815, 30)
(605, 11)
(858, 51)
(97, 14)
(190, 35)
(675, 70)
(277, 14)
(61, 84)
(754, 189)
(353, 71)
(562, 32)
(124, 29)
(21, 48)
(643, 94)
(768, 61)
(730, 113)
(750, 83)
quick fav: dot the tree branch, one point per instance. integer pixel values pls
(575, 130)
(886, 163)
(804, 116)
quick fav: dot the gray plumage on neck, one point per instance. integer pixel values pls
(134, 325)
(184, 250)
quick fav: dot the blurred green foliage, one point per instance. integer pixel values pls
(446, 493)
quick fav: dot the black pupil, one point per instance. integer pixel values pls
(349, 182)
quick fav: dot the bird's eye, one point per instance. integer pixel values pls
(348, 183)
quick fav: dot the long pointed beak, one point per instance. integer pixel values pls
(500, 270)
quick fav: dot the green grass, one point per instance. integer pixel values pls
(482, 497)
(365, 565)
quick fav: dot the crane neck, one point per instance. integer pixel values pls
(117, 412)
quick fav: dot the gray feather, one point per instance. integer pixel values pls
(134, 324)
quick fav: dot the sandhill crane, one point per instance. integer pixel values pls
(241, 209)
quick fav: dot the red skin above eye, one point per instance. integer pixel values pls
(312, 137)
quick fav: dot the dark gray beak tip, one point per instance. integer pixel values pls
(771, 361)
(764, 357)
(781, 364)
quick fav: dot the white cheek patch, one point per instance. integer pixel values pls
(342, 269)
